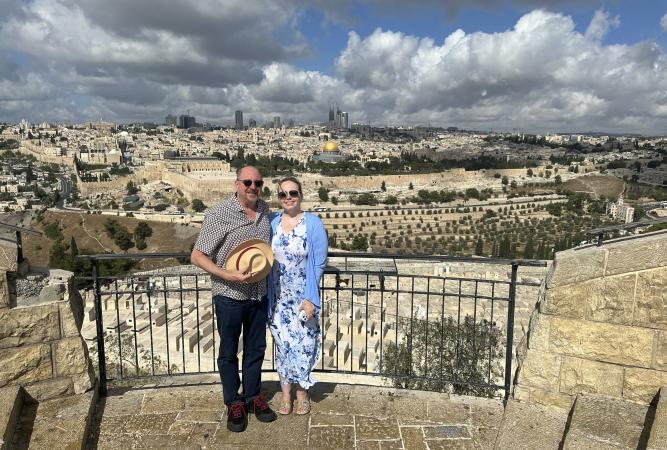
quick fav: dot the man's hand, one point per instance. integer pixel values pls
(201, 260)
(236, 277)
(309, 308)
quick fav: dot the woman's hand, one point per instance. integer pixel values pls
(309, 308)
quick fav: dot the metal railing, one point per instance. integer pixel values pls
(433, 332)
(600, 233)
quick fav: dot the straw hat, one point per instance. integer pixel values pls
(254, 254)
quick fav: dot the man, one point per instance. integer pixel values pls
(239, 302)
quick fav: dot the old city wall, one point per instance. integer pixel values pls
(209, 190)
(600, 325)
(41, 347)
(28, 148)
(94, 187)
(432, 180)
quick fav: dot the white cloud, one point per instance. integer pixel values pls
(601, 24)
(542, 74)
(94, 58)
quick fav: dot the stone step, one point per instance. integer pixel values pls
(600, 423)
(11, 403)
(530, 426)
(658, 435)
(57, 423)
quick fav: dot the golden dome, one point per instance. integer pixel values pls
(330, 146)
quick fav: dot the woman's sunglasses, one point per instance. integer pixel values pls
(292, 194)
(248, 183)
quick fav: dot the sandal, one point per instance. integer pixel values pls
(302, 406)
(285, 407)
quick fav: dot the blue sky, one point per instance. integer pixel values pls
(639, 21)
(534, 65)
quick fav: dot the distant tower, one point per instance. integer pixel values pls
(170, 120)
(238, 119)
(345, 121)
(276, 122)
(252, 123)
(331, 115)
(338, 118)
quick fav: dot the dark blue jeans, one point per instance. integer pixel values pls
(233, 316)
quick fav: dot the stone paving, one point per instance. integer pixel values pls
(343, 416)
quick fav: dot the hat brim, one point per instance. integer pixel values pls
(231, 262)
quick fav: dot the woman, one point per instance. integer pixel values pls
(299, 243)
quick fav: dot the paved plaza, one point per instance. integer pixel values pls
(343, 416)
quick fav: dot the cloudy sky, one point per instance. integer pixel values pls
(533, 65)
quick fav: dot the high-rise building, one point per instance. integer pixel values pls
(186, 121)
(276, 122)
(338, 117)
(238, 119)
(345, 121)
(170, 120)
(252, 123)
(331, 115)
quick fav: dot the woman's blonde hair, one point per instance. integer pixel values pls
(293, 180)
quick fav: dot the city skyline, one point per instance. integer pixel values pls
(488, 65)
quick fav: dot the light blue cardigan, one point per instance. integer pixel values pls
(318, 246)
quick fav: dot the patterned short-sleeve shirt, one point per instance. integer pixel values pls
(225, 227)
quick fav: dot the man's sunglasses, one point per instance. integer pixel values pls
(248, 183)
(292, 194)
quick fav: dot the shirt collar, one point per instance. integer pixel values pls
(262, 207)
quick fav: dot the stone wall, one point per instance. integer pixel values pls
(41, 347)
(600, 325)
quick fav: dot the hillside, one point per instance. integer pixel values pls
(91, 237)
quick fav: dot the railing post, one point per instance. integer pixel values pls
(510, 332)
(19, 247)
(97, 296)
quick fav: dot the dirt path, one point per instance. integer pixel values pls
(83, 225)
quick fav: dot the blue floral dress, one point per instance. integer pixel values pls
(297, 345)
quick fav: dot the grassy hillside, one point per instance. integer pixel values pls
(91, 236)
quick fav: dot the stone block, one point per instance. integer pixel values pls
(574, 266)
(612, 300)
(568, 301)
(70, 356)
(551, 398)
(48, 389)
(641, 385)
(4, 291)
(72, 312)
(651, 299)
(660, 356)
(11, 402)
(657, 439)
(609, 420)
(540, 369)
(529, 426)
(580, 375)
(21, 326)
(52, 293)
(637, 254)
(538, 332)
(85, 381)
(8, 256)
(618, 344)
(609, 299)
(25, 364)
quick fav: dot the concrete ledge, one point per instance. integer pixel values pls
(11, 402)
(604, 422)
(658, 436)
(530, 426)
